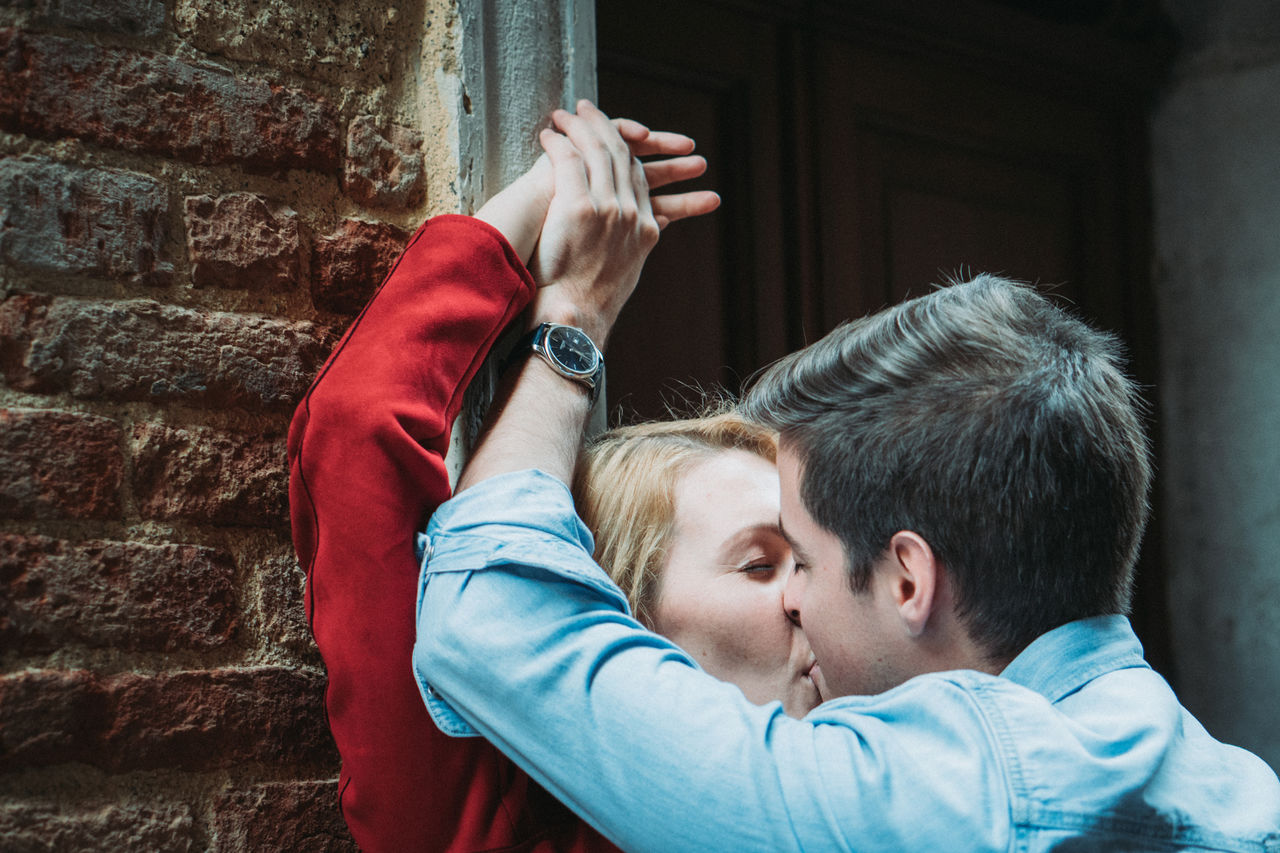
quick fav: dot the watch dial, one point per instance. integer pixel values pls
(572, 348)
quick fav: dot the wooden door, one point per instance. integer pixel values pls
(866, 151)
(707, 308)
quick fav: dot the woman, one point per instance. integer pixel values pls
(685, 518)
(367, 448)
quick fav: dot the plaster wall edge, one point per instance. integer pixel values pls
(516, 62)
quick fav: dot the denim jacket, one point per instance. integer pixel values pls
(1078, 745)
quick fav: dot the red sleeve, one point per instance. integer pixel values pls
(366, 453)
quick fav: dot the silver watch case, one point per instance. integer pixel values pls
(571, 353)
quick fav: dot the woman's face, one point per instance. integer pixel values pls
(720, 594)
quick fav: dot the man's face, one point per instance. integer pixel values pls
(857, 639)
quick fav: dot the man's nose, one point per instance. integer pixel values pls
(791, 597)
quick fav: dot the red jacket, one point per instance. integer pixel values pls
(366, 453)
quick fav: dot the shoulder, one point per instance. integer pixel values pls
(935, 753)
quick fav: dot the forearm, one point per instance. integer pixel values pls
(389, 393)
(529, 642)
(367, 443)
(574, 690)
(600, 224)
(537, 422)
(598, 230)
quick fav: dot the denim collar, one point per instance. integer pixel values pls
(1063, 660)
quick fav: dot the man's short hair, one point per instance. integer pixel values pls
(992, 423)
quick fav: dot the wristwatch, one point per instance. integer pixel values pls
(569, 351)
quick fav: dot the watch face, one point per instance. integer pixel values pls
(573, 349)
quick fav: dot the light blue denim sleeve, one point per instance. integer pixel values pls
(521, 635)
(442, 714)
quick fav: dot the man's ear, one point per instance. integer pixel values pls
(914, 577)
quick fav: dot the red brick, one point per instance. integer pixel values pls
(383, 170)
(348, 265)
(222, 718)
(297, 816)
(182, 720)
(52, 87)
(67, 219)
(123, 595)
(239, 241)
(75, 827)
(58, 465)
(142, 350)
(211, 476)
(49, 717)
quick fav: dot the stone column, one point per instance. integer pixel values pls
(518, 62)
(1215, 150)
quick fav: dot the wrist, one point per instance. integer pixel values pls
(555, 391)
(518, 210)
(565, 313)
(568, 350)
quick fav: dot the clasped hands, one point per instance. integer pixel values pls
(582, 218)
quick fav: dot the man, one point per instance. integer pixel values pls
(964, 482)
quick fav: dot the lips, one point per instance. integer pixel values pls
(812, 672)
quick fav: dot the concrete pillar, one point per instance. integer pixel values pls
(1216, 177)
(516, 63)
(519, 62)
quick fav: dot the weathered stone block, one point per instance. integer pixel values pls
(96, 221)
(58, 465)
(181, 720)
(239, 241)
(348, 265)
(123, 595)
(383, 170)
(279, 602)
(53, 87)
(329, 40)
(296, 816)
(49, 717)
(221, 718)
(142, 350)
(30, 827)
(211, 476)
(129, 17)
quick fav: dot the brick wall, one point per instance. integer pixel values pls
(195, 198)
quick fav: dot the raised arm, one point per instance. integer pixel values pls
(366, 450)
(367, 468)
(599, 229)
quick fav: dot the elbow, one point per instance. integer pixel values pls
(331, 405)
(460, 649)
(333, 416)
(425, 649)
(437, 654)
(427, 663)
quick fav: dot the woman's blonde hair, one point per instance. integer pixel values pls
(625, 491)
